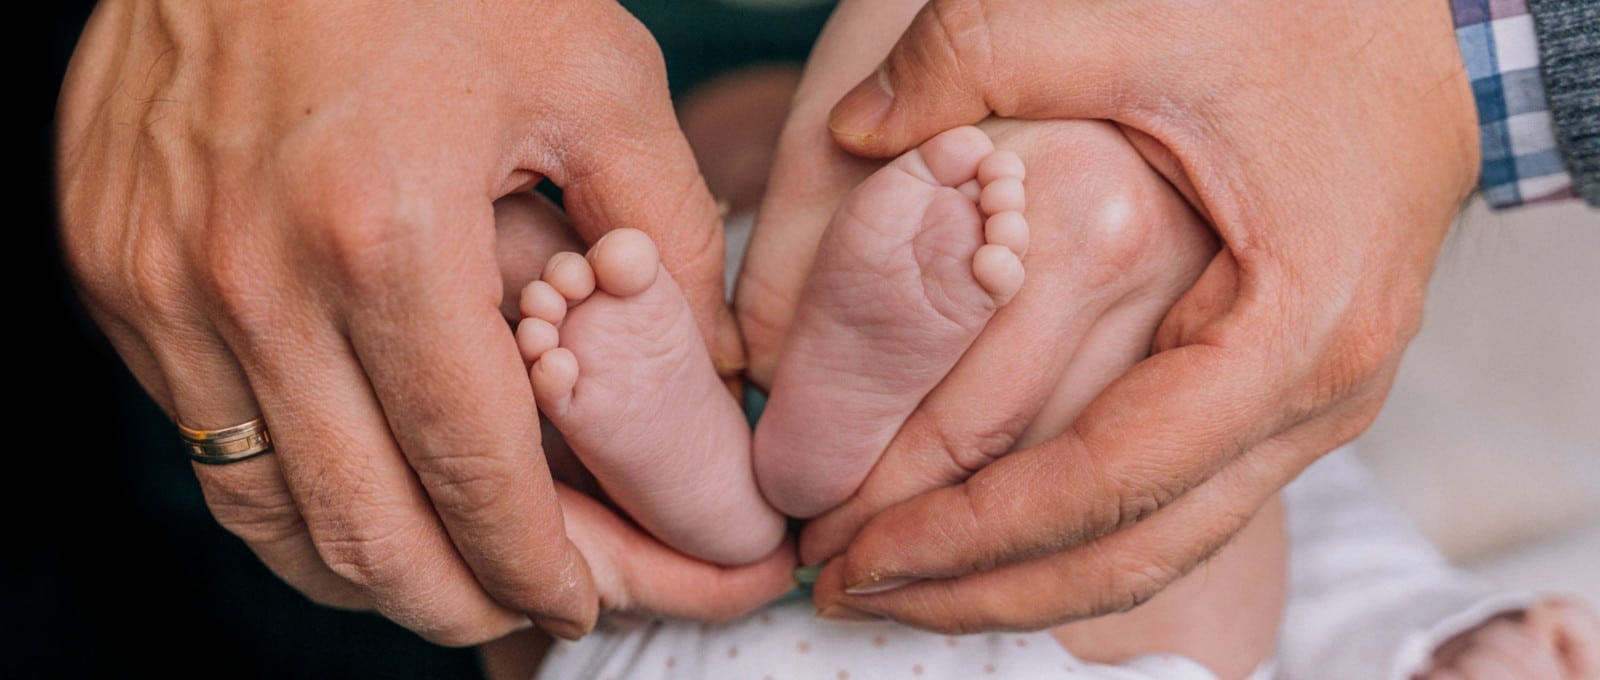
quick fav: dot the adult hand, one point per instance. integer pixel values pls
(1329, 143)
(284, 209)
(1284, 349)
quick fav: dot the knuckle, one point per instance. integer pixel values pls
(1129, 580)
(469, 484)
(349, 218)
(153, 278)
(1367, 349)
(1134, 507)
(1138, 497)
(231, 278)
(373, 555)
(963, 29)
(1134, 583)
(358, 240)
(969, 453)
(253, 511)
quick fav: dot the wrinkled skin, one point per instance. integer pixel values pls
(287, 209)
(1330, 145)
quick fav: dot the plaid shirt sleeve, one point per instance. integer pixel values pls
(1521, 164)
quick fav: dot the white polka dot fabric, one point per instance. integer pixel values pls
(787, 641)
(1369, 598)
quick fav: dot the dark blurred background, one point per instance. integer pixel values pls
(115, 566)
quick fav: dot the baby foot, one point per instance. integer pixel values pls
(619, 367)
(1553, 640)
(915, 262)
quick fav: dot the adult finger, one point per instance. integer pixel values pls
(1128, 455)
(972, 418)
(1064, 505)
(637, 573)
(195, 379)
(949, 69)
(205, 389)
(1107, 575)
(444, 385)
(624, 162)
(371, 521)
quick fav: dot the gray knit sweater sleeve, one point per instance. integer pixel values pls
(1569, 51)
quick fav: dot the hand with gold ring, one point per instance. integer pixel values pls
(285, 211)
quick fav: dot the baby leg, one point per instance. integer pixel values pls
(620, 369)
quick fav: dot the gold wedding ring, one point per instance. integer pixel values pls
(227, 445)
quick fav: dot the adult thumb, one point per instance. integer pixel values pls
(961, 60)
(930, 82)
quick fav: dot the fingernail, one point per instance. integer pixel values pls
(807, 575)
(562, 628)
(861, 113)
(873, 586)
(839, 612)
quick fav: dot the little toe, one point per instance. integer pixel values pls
(570, 275)
(535, 337)
(540, 300)
(625, 262)
(998, 270)
(1009, 229)
(950, 159)
(553, 377)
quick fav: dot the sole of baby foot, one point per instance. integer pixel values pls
(619, 367)
(917, 260)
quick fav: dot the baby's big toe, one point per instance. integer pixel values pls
(950, 159)
(625, 262)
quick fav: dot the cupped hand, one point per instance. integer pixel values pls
(1330, 144)
(284, 209)
(1110, 254)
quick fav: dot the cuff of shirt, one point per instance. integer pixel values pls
(1499, 45)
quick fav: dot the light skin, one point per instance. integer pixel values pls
(606, 337)
(914, 249)
(1280, 125)
(1082, 175)
(286, 210)
(212, 286)
(917, 260)
(613, 371)
(1556, 639)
